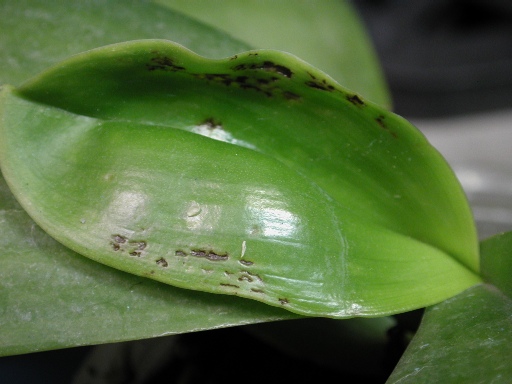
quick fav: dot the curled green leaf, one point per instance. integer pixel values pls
(255, 175)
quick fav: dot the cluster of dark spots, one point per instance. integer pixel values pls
(258, 82)
(229, 285)
(243, 82)
(162, 262)
(249, 277)
(254, 54)
(356, 100)
(121, 243)
(267, 66)
(247, 263)
(163, 63)
(256, 290)
(246, 277)
(207, 254)
(382, 123)
(283, 301)
(322, 85)
(222, 78)
(233, 57)
(265, 81)
(280, 69)
(246, 82)
(137, 247)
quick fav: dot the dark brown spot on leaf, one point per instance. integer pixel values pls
(140, 245)
(119, 239)
(229, 285)
(281, 69)
(319, 85)
(163, 63)
(382, 123)
(354, 99)
(253, 275)
(246, 277)
(162, 262)
(290, 95)
(267, 66)
(209, 255)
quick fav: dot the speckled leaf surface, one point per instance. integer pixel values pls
(255, 175)
(52, 298)
(465, 339)
(327, 34)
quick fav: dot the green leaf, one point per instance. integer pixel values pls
(465, 339)
(327, 34)
(256, 175)
(38, 33)
(52, 298)
(496, 261)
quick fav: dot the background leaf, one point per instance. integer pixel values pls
(37, 33)
(496, 261)
(327, 34)
(465, 339)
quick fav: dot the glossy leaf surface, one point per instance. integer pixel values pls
(327, 34)
(255, 175)
(465, 339)
(52, 298)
